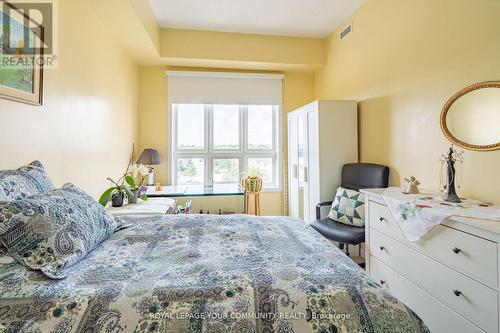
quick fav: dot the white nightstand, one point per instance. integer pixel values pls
(154, 206)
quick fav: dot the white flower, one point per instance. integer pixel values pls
(138, 172)
(139, 169)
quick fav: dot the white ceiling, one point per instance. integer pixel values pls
(308, 18)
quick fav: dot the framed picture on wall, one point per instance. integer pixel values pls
(21, 56)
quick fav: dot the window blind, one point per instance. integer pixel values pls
(224, 88)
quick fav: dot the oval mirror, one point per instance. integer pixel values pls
(471, 118)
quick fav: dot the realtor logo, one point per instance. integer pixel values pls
(28, 33)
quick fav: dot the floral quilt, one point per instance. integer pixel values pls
(204, 273)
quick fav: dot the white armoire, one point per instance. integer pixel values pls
(322, 137)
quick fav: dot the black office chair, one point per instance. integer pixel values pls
(355, 176)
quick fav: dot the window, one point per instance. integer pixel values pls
(190, 171)
(226, 170)
(216, 143)
(226, 127)
(260, 127)
(191, 125)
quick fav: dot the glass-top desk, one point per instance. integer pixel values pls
(195, 190)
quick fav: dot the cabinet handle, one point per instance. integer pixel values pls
(457, 292)
(382, 248)
(295, 171)
(305, 175)
(381, 219)
(382, 282)
(457, 250)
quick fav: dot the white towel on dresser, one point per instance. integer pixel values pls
(418, 214)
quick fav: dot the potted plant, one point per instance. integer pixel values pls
(252, 181)
(129, 185)
(134, 177)
(116, 193)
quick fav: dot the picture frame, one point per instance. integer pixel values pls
(21, 71)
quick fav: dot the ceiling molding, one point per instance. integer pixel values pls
(230, 75)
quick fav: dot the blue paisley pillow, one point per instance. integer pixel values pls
(28, 180)
(53, 230)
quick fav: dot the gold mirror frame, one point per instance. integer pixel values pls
(447, 106)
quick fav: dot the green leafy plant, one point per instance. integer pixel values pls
(130, 184)
(135, 187)
(136, 172)
(119, 188)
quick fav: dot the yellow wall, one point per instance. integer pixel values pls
(244, 51)
(298, 89)
(129, 23)
(403, 61)
(84, 131)
(146, 16)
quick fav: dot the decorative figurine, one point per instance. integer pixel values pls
(412, 185)
(450, 159)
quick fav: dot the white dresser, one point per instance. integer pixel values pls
(450, 278)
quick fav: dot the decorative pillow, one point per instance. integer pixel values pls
(348, 207)
(28, 180)
(53, 230)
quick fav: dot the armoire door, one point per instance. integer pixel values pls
(303, 176)
(293, 167)
(313, 176)
(297, 169)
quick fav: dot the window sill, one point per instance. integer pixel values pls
(272, 190)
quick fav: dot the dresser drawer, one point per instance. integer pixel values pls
(471, 299)
(437, 316)
(472, 255)
(382, 220)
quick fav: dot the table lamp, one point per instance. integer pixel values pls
(150, 157)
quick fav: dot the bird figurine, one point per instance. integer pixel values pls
(412, 185)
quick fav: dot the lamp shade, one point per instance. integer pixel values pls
(149, 157)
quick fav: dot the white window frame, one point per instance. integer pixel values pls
(242, 154)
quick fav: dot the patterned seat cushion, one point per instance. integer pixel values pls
(348, 207)
(28, 180)
(53, 230)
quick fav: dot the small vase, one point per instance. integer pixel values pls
(135, 197)
(117, 200)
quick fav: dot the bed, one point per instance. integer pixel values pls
(204, 273)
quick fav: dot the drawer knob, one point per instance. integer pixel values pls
(382, 248)
(382, 282)
(457, 250)
(457, 292)
(381, 219)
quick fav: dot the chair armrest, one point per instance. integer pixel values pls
(318, 208)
